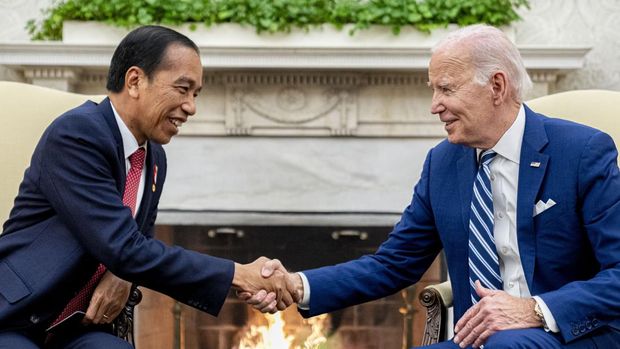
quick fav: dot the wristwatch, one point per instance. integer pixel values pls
(540, 316)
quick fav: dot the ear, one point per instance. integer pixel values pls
(499, 86)
(134, 78)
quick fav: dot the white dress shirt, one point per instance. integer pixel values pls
(130, 145)
(505, 183)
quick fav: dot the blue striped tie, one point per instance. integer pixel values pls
(483, 260)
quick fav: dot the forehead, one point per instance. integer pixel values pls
(181, 60)
(451, 62)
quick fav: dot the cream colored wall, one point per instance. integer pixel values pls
(593, 23)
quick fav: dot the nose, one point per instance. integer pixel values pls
(189, 106)
(436, 103)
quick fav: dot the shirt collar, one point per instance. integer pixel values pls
(130, 144)
(509, 145)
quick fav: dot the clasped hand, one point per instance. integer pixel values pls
(267, 285)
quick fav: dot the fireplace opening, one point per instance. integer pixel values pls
(374, 325)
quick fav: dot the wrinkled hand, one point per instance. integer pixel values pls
(267, 293)
(496, 311)
(109, 298)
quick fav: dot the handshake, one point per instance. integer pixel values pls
(267, 285)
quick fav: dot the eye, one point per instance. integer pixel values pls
(445, 90)
(183, 89)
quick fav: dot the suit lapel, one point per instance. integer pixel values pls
(530, 181)
(149, 187)
(466, 170)
(106, 110)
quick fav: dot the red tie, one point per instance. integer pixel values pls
(82, 299)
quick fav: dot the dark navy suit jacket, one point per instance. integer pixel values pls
(69, 216)
(570, 253)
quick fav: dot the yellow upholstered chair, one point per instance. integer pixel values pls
(596, 108)
(26, 110)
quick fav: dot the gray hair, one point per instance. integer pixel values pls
(491, 51)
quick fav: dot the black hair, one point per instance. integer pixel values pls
(144, 47)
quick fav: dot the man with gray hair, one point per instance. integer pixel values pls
(526, 208)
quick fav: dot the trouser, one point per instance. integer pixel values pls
(537, 338)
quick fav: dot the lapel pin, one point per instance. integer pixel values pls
(154, 178)
(535, 164)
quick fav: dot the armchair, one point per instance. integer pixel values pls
(596, 108)
(28, 110)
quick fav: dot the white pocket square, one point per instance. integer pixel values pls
(541, 206)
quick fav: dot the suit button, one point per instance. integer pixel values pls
(34, 319)
(589, 325)
(595, 322)
(574, 331)
(582, 328)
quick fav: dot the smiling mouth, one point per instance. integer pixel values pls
(176, 123)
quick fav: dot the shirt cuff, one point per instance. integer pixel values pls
(304, 304)
(549, 319)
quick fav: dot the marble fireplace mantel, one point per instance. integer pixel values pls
(291, 134)
(83, 58)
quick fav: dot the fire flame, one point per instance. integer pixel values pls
(272, 335)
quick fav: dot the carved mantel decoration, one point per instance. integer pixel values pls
(325, 84)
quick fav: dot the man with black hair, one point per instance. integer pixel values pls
(82, 222)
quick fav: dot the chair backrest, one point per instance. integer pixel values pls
(596, 108)
(26, 110)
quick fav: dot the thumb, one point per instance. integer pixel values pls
(482, 291)
(269, 267)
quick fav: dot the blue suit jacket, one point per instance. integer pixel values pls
(69, 216)
(570, 253)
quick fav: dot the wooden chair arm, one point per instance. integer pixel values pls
(436, 299)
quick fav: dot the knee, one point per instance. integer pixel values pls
(506, 340)
(98, 340)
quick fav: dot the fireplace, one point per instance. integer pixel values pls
(374, 325)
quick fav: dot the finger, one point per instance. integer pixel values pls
(281, 306)
(270, 266)
(91, 312)
(113, 311)
(471, 329)
(287, 299)
(257, 297)
(474, 330)
(465, 318)
(244, 296)
(482, 291)
(270, 298)
(269, 308)
(104, 309)
(279, 285)
(483, 338)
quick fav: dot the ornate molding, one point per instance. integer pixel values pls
(362, 91)
(289, 109)
(51, 73)
(217, 58)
